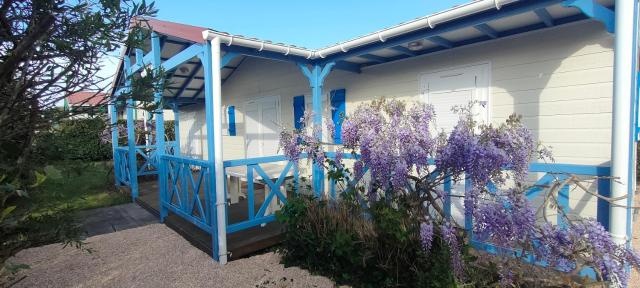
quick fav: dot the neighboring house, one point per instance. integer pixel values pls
(550, 61)
(86, 104)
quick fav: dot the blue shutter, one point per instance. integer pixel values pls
(232, 120)
(298, 111)
(338, 111)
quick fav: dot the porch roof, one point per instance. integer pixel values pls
(419, 37)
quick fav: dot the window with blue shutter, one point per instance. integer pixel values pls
(298, 111)
(338, 111)
(232, 120)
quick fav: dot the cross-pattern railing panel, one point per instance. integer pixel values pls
(272, 172)
(188, 191)
(121, 164)
(148, 154)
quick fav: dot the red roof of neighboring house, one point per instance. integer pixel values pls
(183, 31)
(87, 98)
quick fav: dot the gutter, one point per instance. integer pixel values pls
(380, 36)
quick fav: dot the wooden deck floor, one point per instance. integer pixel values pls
(239, 244)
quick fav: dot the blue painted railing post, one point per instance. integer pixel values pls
(447, 196)
(159, 115)
(316, 78)
(176, 128)
(113, 113)
(468, 216)
(131, 137)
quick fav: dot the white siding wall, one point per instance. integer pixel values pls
(559, 80)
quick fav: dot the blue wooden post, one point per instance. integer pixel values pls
(205, 57)
(159, 116)
(176, 128)
(447, 196)
(316, 78)
(131, 136)
(113, 113)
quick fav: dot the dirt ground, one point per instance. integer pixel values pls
(152, 256)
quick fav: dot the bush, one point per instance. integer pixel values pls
(76, 139)
(376, 247)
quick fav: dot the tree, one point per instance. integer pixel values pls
(48, 50)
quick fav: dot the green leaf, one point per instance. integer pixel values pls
(6, 211)
(40, 177)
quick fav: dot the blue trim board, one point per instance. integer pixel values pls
(231, 120)
(338, 111)
(298, 111)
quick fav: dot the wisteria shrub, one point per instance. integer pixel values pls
(406, 157)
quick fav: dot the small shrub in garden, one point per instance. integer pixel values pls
(73, 139)
(374, 248)
(408, 162)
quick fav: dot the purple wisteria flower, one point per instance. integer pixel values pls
(426, 235)
(405, 156)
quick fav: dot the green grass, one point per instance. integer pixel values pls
(49, 213)
(76, 186)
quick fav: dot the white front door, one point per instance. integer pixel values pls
(457, 87)
(262, 126)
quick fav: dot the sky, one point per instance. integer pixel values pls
(311, 24)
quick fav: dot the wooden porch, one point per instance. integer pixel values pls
(239, 244)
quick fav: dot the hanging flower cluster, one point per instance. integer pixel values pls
(406, 155)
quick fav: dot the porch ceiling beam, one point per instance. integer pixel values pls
(187, 82)
(544, 16)
(233, 71)
(187, 76)
(403, 50)
(470, 21)
(183, 56)
(594, 10)
(348, 66)
(486, 29)
(264, 54)
(532, 27)
(186, 89)
(441, 41)
(374, 58)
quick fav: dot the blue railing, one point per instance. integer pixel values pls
(149, 154)
(186, 190)
(121, 166)
(248, 168)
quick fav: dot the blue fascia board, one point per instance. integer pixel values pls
(183, 56)
(487, 30)
(480, 18)
(544, 16)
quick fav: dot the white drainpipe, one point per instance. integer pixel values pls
(221, 200)
(623, 86)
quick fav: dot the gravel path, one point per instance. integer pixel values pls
(153, 256)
